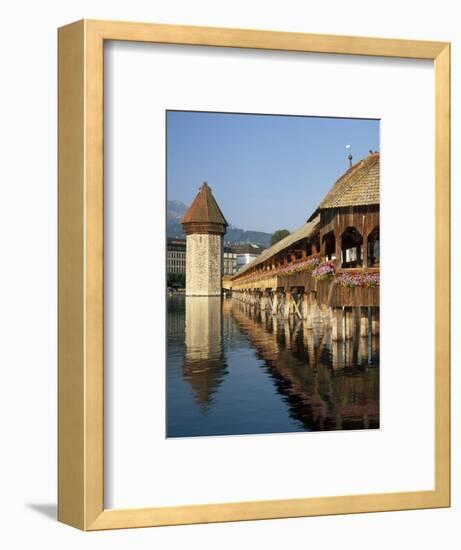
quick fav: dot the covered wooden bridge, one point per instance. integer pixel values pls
(327, 271)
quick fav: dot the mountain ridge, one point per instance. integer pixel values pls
(234, 235)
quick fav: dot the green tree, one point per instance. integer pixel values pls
(279, 235)
(176, 280)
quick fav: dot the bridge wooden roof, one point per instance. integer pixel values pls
(301, 233)
(204, 209)
(359, 186)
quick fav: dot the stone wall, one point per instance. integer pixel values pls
(204, 261)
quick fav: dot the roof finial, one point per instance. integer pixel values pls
(350, 155)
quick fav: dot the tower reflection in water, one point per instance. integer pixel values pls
(204, 367)
(234, 370)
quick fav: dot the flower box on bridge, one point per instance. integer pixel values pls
(361, 293)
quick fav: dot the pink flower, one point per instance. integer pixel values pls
(352, 280)
(324, 272)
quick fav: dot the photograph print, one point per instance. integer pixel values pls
(272, 274)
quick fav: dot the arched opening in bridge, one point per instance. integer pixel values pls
(351, 248)
(373, 248)
(298, 252)
(329, 241)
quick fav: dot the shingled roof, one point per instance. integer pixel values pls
(302, 232)
(359, 186)
(204, 209)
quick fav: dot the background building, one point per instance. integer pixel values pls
(176, 262)
(230, 261)
(246, 253)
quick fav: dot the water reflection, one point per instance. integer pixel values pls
(204, 365)
(232, 369)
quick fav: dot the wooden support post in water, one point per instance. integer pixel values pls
(348, 323)
(296, 308)
(364, 322)
(275, 302)
(349, 353)
(310, 311)
(305, 304)
(275, 327)
(263, 300)
(375, 321)
(288, 304)
(263, 316)
(286, 326)
(374, 347)
(270, 298)
(363, 351)
(337, 324)
(325, 315)
(315, 309)
(309, 344)
(337, 353)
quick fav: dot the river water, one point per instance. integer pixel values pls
(232, 370)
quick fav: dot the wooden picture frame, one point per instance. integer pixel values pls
(81, 268)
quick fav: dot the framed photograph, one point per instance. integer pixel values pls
(254, 306)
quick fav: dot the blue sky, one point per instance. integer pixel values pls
(266, 172)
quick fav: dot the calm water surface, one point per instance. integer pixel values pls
(233, 370)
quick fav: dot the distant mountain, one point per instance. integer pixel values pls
(176, 209)
(234, 236)
(174, 213)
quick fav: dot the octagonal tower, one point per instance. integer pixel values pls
(205, 226)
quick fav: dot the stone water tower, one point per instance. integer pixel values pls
(204, 226)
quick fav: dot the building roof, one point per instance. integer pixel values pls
(247, 248)
(176, 241)
(204, 209)
(359, 186)
(302, 232)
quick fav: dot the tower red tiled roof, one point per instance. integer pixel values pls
(204, 209)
